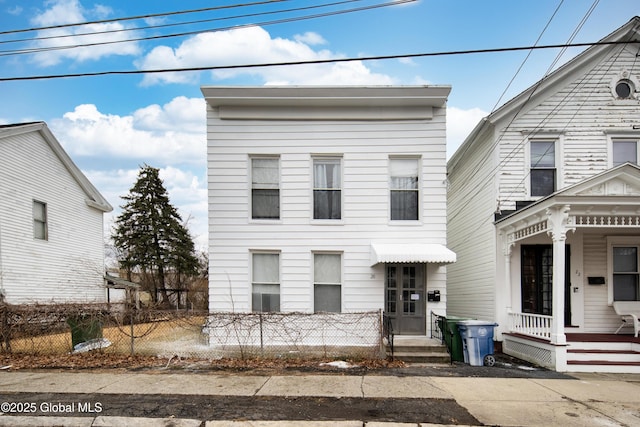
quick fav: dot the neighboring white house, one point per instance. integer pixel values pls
(51, 221)
(544, 213)
(328, 199)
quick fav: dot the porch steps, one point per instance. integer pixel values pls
(418, 349)
(621, 357)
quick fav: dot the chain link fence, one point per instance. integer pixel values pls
(74, 328)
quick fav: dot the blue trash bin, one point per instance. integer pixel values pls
(477, 342)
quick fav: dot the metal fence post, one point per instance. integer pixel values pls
(261, 339)
(131, 332)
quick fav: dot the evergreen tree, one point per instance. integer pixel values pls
(151, 238)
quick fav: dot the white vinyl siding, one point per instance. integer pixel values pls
(471, 281)
(70, 265)
(365, 147)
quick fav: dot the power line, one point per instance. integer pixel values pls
(188, 33)
(147, 16)
(173, 24)
(313, 62)
(534, 89)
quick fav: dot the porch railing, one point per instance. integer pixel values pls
(533, 325)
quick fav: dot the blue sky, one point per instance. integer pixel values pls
(110, 125)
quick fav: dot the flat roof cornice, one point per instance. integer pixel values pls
(326, 96)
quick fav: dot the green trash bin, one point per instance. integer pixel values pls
(452, 337)
(84, 328)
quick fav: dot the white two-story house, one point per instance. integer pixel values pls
(544, 214)
(328, 200)
(51, 222)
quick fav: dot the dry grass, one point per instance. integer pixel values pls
(149, 338)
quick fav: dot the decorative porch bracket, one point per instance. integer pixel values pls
(558, 223)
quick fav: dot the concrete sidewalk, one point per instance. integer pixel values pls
(589, 399)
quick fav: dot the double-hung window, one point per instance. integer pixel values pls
(625, 273)
(624, 150)
(265, 188)
(40, 231)
(542, 170)
(404, 189)
(327, 188)
(265, 282)
(327, 283)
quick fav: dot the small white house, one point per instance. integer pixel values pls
(544, 214)
(51, 222)
(328, 200)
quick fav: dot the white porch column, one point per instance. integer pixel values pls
(557, 222)
(504, 292)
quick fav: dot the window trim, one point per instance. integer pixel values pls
(559, 182)
(314, 220)
(313, 279)
(618, 241)
(44, 222)
(252, 282)
(418, 159)
(250, 185)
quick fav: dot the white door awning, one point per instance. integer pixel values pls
(391, 253)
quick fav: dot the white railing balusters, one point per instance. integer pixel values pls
(533, 325)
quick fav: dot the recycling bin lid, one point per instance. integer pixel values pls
(472, 322)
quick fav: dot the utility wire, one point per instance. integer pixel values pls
(188, 33)
(175, 24)
(313, 62)
(512, 153)
(147, 16)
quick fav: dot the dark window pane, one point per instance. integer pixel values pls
(327, 298)
(265, 204)
(543, 182)
(327, 204)
(266, 302)
(625, 260)
(404, 205)
(625, 287)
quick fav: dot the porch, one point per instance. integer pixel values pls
(566, 260)
(529, 338)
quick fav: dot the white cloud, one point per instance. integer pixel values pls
(254, 45)
(460, 123)
(59, 42)
(310, 38)
(173, 133)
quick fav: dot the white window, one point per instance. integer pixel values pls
(404, 189)
(542, 170)
(265, 282)
(327, 282)
(327, 188)
(40, 220)
(625, 273)
(624, 150)
(265, 188)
